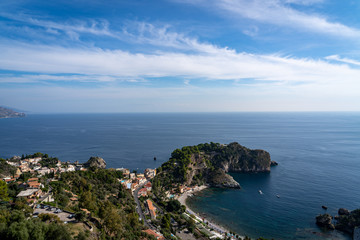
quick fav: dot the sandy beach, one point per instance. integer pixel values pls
(182, 199)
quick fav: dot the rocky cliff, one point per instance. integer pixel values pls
(209, 164)
(96, 162)
(8, 113)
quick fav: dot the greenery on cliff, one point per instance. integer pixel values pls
(208, 164)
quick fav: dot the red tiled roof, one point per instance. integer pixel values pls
(153, 233)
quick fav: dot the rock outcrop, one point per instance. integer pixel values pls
(96, 162)
(325, 221)
(346, 221)
(343, 211)
(220, 179)
(210, 164)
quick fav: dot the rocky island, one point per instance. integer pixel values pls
(210, 164)
(8, 113)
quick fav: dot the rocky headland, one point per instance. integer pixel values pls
(8, 113)
(210, 164)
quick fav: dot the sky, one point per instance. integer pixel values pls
(179, 55)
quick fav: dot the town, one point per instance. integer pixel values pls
(33, 176)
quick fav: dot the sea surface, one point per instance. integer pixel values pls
(318, 156)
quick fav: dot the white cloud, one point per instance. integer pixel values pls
(344, 60)
(280, 13)
(108, 65)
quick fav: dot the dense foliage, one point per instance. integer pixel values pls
(16, 223)
(111, 207)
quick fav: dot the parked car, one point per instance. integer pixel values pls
(58, 211)
(53, 209)
(71, 216)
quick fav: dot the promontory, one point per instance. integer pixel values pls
(210, 164)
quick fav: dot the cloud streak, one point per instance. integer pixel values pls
(217, 64)
(281, 13)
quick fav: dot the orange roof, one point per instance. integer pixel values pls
(34, 184)
(10, 180)
(148, 184)
(85, 210)
(150, 204)
(33, 179)
(153, 233)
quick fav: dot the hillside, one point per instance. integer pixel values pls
(8, 113)
(209, 164)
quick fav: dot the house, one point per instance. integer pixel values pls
(9, 180)
(33, 180)
(140, 175)
(150, 173)
(43, 171)
(142, 192)
(34, 184)
(132, 175)
(148, 186)
(30, 193)
(123, 170)
(151, 232)
(70, 168)
(151, 209)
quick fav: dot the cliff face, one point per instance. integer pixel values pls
(8, 113)
(237, 158)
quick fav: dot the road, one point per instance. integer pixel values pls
(139, 209)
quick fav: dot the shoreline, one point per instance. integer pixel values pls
(218, 228)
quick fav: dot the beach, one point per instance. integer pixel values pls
(218, 230)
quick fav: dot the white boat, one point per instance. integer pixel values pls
(278, 196)
(260, 192)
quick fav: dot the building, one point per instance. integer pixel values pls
(132, 176)
(142, 192)
(34, 185)
(158, 236)
(30, 193)
(150, 173)
(148, 186)
(151, 209)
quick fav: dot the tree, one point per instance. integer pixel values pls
(80, 216)
(57, 232)
(4, 196)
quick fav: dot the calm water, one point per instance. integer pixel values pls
(318, 155)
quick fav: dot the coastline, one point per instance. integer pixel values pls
(218, 228)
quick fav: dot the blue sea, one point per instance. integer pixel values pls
(318, 156)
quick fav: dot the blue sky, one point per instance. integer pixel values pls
(180, 55)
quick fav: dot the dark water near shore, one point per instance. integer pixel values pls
(318, 155)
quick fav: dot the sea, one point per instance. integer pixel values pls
(318, 156)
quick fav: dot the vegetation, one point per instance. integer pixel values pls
(6, 169)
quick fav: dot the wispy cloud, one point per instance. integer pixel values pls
(344, 60)
(95, 27)
(221, 64)
(281, 13)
